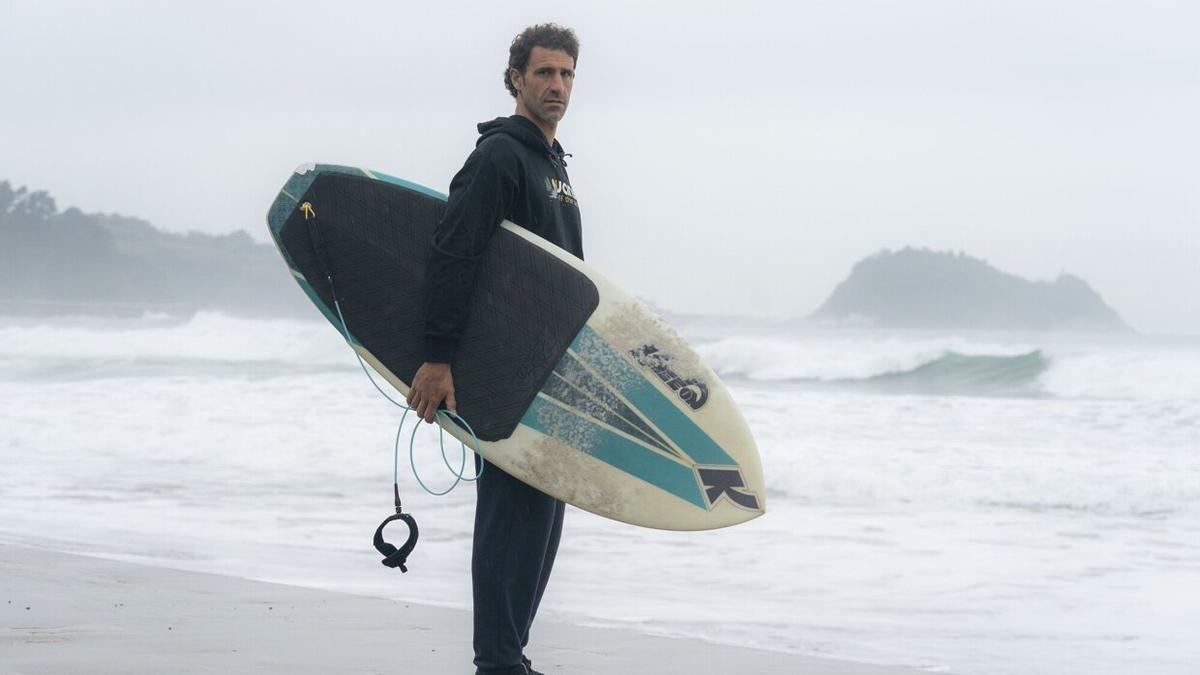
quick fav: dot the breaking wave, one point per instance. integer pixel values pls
(954, 373)
(957, 366)
(208, 343)
(213, 344)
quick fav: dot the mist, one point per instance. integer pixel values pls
(728, 160)
(990, 475)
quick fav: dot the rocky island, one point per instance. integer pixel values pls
(924, 289)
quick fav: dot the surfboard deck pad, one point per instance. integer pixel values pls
(527, 307)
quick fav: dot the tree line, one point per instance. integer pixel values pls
(51, 258)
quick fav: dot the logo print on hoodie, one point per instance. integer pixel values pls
(561, 191)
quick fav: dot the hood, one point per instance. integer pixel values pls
(524, 131)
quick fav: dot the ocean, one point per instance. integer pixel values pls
(965, 503)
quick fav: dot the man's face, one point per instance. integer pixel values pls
(544, 89)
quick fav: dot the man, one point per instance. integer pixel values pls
(516, 172)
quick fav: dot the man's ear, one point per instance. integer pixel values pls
(518, 81)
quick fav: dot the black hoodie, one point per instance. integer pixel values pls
(513, 174)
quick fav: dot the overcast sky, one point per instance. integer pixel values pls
(728, 157)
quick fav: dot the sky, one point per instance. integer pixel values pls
(729, 158)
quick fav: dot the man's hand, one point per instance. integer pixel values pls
(431, 385)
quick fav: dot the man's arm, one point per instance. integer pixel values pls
(481, 195)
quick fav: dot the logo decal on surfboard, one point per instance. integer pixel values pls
(692, 392)
(727, 482)
(598, 402)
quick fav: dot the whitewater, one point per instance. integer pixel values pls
(965, 503)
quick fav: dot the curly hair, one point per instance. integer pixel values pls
(547, 35)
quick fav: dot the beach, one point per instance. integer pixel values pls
(962, 503)
(64, 614)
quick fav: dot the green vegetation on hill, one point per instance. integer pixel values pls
(919, 288)
(76, 262)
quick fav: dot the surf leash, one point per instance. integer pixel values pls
(393, 556)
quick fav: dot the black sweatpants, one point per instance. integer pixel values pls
(517, 529)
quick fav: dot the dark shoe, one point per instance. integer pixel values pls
(521, 668)
(529, 666)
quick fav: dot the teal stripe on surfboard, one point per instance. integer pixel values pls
(601, 357)
(328, 312)
(632, 457)
(563, 392)
(407, 184)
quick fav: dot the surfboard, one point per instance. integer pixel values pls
(570, 384)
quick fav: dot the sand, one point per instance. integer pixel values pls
(64, 614)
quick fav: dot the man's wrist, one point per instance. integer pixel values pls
(440, 349)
